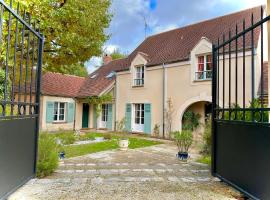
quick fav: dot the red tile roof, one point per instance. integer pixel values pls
(56, 84)
(173, 46)
(98, 81)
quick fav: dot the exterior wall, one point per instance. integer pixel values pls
(180, 85)
(150, 93)
(54, 126)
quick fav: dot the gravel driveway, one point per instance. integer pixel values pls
(141, 174)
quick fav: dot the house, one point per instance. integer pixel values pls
(170, 67)
(58, 101)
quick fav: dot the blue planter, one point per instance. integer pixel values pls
(62, 155)
(182, 156)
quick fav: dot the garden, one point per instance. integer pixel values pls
(70, 144)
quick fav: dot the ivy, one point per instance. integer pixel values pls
(97, 101)
(191, 120)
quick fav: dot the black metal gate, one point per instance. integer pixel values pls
(21, 46)
(241, 129)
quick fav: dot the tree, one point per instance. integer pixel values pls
(117, 54)
(77, 70)
(74, 30)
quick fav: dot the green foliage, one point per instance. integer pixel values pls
(207, 137)
(239, 115)
(191, 120)
(79, 150)
(120, 125)
(75, 31)
(98, 101)
(205, 160)
(47, 155)
(2, 84)
(65, 137)
(183, 140)
(117, 54)
(156, 130)
(77, 70)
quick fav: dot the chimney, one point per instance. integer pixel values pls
(106, 59)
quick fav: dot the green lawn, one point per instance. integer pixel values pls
(110, 144)
(80, 150)
(205, 160)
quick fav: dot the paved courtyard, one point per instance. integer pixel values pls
(146, 173)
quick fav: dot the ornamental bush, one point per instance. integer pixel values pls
(183, 140)
(47, 155)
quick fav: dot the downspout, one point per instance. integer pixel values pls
(115, 102)
(75, 110)
(164, 100)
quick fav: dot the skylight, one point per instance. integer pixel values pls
(111, 74)
(94, 75)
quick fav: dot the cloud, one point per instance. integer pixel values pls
(127, 28)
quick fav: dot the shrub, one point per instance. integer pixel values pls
(120, 125)
(107, 136)
(183, 140)
(207, 137)
(156, 130)
(191, 120)
(47, 155)
(248, 114)
(66, 137)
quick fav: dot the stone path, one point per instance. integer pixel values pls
(147, 173)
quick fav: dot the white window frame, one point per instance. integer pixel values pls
(139, 75)
(104, 112)
(205, 74)
(141, 110)
(58, 111)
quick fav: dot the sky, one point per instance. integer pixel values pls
(133, 20)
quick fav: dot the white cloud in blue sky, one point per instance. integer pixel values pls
(127, 28)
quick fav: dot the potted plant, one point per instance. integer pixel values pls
(183, 141)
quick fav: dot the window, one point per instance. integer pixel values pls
(139, 76)
(59, 112)
(139, 113)
(94, 76)
(204, 68)
(104, 112)
(111, 75)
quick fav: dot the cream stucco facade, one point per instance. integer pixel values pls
(176, 81)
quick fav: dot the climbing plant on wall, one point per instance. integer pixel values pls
(191, 120)
(97, 101)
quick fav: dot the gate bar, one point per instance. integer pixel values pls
(20, 19)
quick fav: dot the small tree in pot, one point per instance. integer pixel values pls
(183, 141)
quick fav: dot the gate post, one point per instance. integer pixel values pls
(214, 100)
(38, 91)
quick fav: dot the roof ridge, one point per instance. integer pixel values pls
(203, 21)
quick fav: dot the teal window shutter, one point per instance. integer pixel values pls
(128, 117)
(147, 118)
(49, 111)
(94, 116)
(109, 122)
(70, 112)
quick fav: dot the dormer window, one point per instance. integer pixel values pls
(94, 76)
(111, 75)
(139, 76)
(204, 67)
